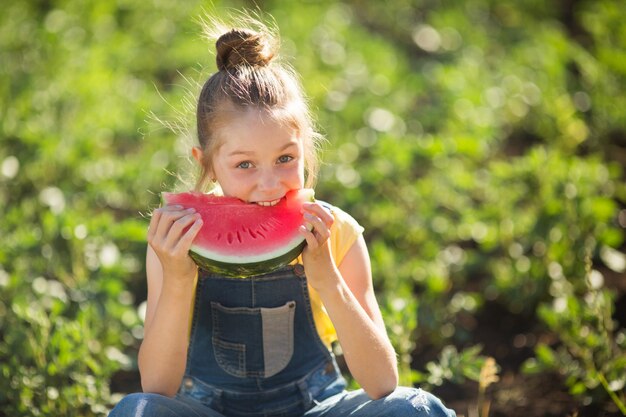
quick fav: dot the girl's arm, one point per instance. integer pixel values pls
(348, 295)
(171, 275)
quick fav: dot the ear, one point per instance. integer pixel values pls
(196, 152)
(198, 155)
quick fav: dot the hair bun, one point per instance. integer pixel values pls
(240, 47)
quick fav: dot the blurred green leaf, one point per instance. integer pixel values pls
(487, 167)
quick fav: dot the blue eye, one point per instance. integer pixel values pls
(244, 165)
(285, 158)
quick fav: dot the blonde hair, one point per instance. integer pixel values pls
(249, 76)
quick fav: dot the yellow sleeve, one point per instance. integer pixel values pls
(343, 233)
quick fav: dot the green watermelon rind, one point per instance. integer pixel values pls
(239, 267)
(244, 270)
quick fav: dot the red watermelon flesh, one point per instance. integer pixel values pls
(240, 239)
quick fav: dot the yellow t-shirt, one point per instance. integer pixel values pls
(343, 233)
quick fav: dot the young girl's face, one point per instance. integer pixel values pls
(259, 159)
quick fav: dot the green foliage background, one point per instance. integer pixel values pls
(481, 143)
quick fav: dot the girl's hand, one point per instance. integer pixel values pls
(316, 256)
(171, 233)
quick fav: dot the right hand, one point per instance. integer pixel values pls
(171, 233)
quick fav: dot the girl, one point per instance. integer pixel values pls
(260, 346)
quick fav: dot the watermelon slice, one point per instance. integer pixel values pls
(240, 239)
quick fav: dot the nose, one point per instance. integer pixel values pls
(268, 181)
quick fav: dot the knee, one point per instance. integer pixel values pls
(139, 404)
(405, 401)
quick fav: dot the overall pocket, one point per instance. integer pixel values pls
(253, 342)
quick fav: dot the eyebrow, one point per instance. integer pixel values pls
(246, 153)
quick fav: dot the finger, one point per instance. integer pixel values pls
(154, 222)
(311, 241)
(164, 209)
(173, 207)
(311, 221)
(168, 218)
(320, 228)
(179, 228)
(169, 244)
(156, 219)
(319, 211)
(185, 242)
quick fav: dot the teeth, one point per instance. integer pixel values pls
(268, 203)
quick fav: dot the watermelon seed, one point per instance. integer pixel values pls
(239, 237)
(273, 223)
(251, 233)
(230, 238)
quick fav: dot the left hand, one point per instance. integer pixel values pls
(318, 261)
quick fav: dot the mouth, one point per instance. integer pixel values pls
(268, 203)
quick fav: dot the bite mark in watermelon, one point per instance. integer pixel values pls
(239, 239)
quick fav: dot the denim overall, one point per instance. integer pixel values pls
(254, 351)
